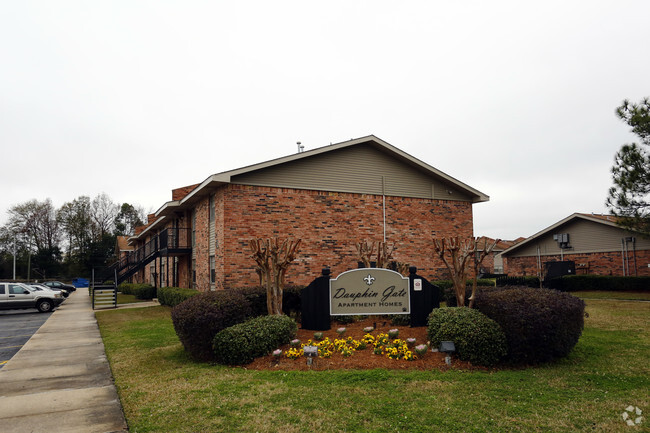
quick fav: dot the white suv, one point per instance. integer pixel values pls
(18, 295)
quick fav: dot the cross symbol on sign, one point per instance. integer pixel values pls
(369, 279)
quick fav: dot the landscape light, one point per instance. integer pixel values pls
(447, 347)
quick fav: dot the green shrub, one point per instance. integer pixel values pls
(540, 324)
(400, 319)
(198, 319)
(144, 291)
(291, 296)
(126, 288)
(449, 295)
(528, 281)
(139, 290)
(576, 283)
(172, 296)
(477, 338)
(242, 343)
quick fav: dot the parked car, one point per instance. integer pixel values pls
(39, 286)
(59, 285)
(22, 296)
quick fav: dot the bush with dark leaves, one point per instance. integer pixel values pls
(540, 324)
(172, 296)
(199, 318)
(291, 296)
(449, 294)
(241, 344)
(477, 338)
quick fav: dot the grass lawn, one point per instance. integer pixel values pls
(163, 391)
(636, 296)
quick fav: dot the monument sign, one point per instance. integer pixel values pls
(369, 291)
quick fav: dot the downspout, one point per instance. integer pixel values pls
(627, 259)
(636, 270)
(383, 199)
(539, 266)
(623, 253)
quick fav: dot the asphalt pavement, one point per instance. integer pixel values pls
(60, 380)
(16, 328)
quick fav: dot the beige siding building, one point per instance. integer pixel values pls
(330, 197)
(595, 243)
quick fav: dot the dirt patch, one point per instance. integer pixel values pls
(360, 359)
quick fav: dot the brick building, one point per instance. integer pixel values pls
(330, 197)
(493, 262)
(594, 242)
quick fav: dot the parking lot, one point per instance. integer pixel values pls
(16, 328)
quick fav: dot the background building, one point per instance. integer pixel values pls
(594, 242)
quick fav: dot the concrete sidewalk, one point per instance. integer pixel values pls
(60, 381)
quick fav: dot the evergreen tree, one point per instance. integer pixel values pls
(629, 197)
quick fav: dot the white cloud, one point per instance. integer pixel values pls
(136, 98)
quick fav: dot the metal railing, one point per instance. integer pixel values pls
(171, 241)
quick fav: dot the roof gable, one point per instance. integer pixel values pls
(364, 168)
(588, 232)
(404, 175)
(453, 185)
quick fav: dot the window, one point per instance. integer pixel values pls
(213, 276)
(2, 289)
(162, 272)
(193, 228)
(15, 289)
(194, 273)
(211, 208)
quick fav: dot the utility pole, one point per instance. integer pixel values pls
(14, 257)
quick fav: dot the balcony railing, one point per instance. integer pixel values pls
(169, 242)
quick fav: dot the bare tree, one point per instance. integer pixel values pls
(103, 212)
(457, 254)
(365, 253)
(273, 259)
(479, 255)
(37, 221)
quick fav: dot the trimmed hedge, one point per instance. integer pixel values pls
(478, 339)
(241, 344)
(539, 324)
(199, 318)
(528, 281)
(172, 296)
(139, 290)
(576, 283)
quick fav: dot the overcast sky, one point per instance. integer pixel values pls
(134, 98)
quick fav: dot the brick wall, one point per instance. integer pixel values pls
(180, 193)
(329, 224)
(605, 263)
(201, 247)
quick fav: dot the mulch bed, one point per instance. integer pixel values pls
(361, 359)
